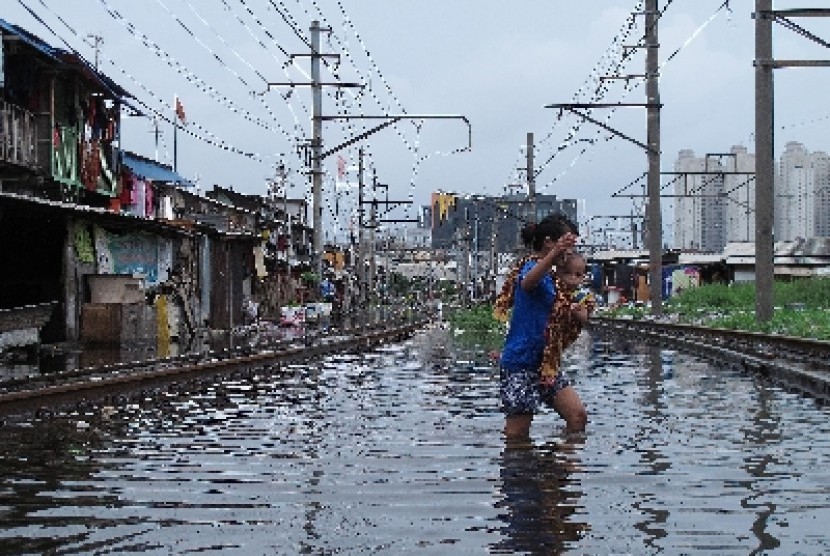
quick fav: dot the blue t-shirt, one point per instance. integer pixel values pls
(327, 289)
(525, 339)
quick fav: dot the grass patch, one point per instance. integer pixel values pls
(802, 308)
(476, 326)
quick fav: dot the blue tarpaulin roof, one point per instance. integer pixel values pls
(152, 170)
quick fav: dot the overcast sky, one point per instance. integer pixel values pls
(495, 63)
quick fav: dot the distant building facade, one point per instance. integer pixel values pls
(802, 194)
(794, 194)
(714, 197)
(699, 204)
(739, 193)
(491, 224)
(821, 169)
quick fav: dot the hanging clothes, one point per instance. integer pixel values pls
(149, 205)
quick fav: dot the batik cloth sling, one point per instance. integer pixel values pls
(562, 329)
(504, 301)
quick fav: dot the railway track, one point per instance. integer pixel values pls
(55, 388)
(797, 363)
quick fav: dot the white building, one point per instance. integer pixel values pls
(699, 203)
(739, 191)
(686, 205)
(715, 197)
(821, 173)
(795, 189)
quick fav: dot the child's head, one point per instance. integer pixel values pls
(571, 272)
(552, 227)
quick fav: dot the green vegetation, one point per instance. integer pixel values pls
(802, 308)
(476, 326)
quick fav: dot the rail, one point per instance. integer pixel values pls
(55, 388)
(797, 363)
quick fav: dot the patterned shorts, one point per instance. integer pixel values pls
(522, 392)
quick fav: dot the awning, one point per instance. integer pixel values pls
(151, 170)
(70, 58)
(32, 40)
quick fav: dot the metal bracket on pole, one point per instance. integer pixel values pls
(392, 119)
(782, 18)
(575, 109)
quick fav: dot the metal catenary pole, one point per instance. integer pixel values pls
(765, 64)
(531, 179)
(764, 162)
(654, 220)
(316, 144)
(655, 217)
(316, 150)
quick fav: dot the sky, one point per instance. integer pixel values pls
(484, 70)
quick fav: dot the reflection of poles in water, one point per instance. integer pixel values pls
(762, 443)
(539, 498)
(659, 362)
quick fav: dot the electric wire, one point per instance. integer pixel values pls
(630, 88)
(211, 138)
(258, 97)
(591, 86)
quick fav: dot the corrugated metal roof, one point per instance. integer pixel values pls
(32, 40)
(106, 216)
(66, 57)
(815, 247)
(699, 258)
(151, 170)
(619, 254)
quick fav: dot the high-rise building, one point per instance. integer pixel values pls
(739, 192)
(715, 197)
(821, 172)
(699, 203)
(795, 194)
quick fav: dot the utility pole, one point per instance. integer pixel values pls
(654, 222)
(361, 256)
(316, 150)
(654, 213)
(95, 41)
(764, 162)
(475, 257)
(494, 257)
(316, 143)
(156, 134)
(764, 139)
(531, 179)
(374, 219)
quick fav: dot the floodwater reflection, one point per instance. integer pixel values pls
(540, 498)
(400, 450)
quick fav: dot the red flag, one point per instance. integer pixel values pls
(341, 167)
(179, 110)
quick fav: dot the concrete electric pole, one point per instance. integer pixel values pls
(531, 180)
(316, 143)
(764, 162)
(764, 139)
(654, 219)
(654, 212)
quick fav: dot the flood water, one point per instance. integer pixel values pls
(400, 451)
